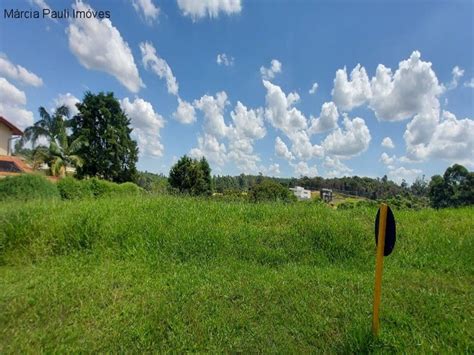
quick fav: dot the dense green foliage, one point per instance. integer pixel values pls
(62, 150)
(168, 274)
(153, 183)
(72, 189)
(454, 188)
(269, 190)
(359, 186)
(27, 187)
(191, 176)
(110, 154)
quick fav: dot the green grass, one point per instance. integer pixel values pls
(180, 274)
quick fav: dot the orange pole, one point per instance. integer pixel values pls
(379, 268)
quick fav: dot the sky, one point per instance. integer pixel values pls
(285, 88)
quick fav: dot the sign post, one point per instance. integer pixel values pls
(385, 241)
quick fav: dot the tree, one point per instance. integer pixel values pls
(454, 188)
(191, 176)
(110, 153)
(269, 190)
(419, 186)
(49, 126)
(63, 154)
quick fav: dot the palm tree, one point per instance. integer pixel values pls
(48, 126)
(61, 153)
(64, 154)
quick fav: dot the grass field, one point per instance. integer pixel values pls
(182, 274)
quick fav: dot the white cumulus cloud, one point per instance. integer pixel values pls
(269, 73)
(412, 89)
(348, 94)
(185, 112)
(147, 9)
(98, 45)
(159, 66)
(224, 59)
(313, 89)
(17, 72)
(12, 105)
(327, 120)
(351, 141)
(213, 109)
(335, 168)
(281, 149)
(146, 125)
(388, 143)
(211, 8)
(303, 169)
(68, 100)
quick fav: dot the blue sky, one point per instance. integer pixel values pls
(151, 53)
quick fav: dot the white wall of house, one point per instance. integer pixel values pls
(301, 193)
(5, 135)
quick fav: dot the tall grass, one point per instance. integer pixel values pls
(185, 274)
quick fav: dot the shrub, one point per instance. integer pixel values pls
(72, 189)
(27, 187)
(269, 190)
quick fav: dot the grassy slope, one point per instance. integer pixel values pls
(182, 274)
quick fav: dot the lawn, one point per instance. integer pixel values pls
(181, 274)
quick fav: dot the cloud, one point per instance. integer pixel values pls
(402, 173)
(457, 74)
(17, 72)
(351, 141)
(446, 137)
(302, 169)
(335, 168)
(348, 94)
(269, 73)
(386, 159)
(185, 112)
(327, 120)
(247, 126)
(313, 89)
(280, 111)
(12, 102)
(98, 45)
(411, 90)
(69, 101)
(159, 66)
(469, 84)
(213, 109)
(146, 125)
(211, 148)
(302, 147)
(211, 8)
(387, 143)
(282, 150)
(147, 9)
(224, 59)
(273, 169)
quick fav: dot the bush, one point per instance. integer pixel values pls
(72, 189)
(27, 187)
(269, 190)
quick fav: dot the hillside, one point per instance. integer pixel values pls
(182, 274)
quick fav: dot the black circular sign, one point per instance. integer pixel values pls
(390, 231)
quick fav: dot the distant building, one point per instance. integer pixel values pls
(326, 195)
(301, 193)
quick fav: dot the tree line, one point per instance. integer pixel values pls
(96, 142)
